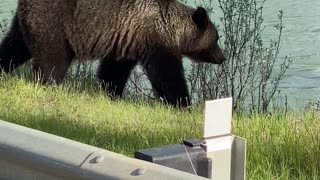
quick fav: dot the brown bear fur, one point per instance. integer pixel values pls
(122, 33)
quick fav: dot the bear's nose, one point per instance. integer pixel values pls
(219, 59)
(223, 58)
(219, 56)
(219, 62)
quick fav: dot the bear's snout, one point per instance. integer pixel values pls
(218, 56)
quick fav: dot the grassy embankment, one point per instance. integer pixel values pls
(279, 146)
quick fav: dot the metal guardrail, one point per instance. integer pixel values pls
(30, 154)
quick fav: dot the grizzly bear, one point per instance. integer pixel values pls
(155, 34)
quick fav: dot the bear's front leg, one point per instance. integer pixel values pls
(114, 75)
(166, 74)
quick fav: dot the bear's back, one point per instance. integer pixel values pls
(97, 28)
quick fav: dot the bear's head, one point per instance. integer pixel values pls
(202, 44)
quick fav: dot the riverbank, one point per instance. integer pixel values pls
(283, 146)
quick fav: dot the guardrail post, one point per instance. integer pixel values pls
(227, 152)
(219, 156)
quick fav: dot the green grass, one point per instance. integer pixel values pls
(279, 146)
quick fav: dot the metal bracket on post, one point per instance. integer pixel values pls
(219, 156)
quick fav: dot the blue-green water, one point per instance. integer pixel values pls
(301, 41)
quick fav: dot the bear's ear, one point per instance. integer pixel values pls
(200, 17)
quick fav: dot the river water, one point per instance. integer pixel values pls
(300, 41)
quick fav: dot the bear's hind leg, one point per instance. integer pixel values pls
(13, 50)
(166, 75)
(51, 64)
(114, 75)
